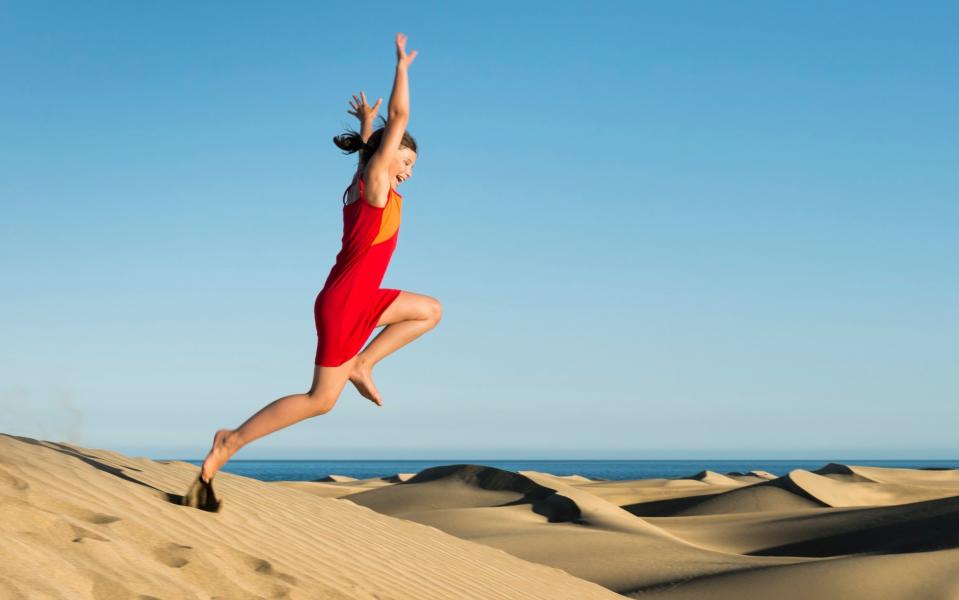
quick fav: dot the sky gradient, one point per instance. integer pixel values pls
(658, 229)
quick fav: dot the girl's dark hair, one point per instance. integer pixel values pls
(351, 142)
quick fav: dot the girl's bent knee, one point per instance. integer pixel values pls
(436, 311)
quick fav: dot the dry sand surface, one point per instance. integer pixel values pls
(83, 523)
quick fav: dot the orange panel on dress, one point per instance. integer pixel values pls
(390, 219)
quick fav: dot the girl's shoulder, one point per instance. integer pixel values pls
(352, 193)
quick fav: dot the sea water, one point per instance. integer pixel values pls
(312, 470)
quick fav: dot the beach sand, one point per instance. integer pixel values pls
(84, 523)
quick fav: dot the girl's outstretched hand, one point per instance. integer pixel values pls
(363, 111)
(403, 59)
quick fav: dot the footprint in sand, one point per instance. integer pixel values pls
(81, 534)
(173, 555)
(13, 481)
(265, 567)
(89, 516)
(102, 519)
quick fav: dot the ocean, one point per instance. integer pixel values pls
(312, 470)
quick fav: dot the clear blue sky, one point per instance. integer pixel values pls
(658, 229)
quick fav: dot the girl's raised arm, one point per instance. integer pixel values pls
(366, 115)
(377, 180)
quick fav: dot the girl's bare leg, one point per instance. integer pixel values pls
(328, 383)
(407, 318)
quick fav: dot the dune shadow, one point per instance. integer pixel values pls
(667, 507)
(542, 500)
(901, 533)
(745, 495)
(101, 466)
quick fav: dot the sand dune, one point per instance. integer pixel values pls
(913, 527)
(831, 486)
(82, 523)
(640, 491)
(945, 478)
(866, 491)
(714, 478)
(337, 479)
(780, 494)
(544, 519)
(724, 521)
(841, 473)
(920, 576)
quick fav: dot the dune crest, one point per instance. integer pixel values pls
(714, 478)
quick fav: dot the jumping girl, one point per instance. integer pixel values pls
(351, 304)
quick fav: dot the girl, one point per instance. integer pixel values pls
(351, 304)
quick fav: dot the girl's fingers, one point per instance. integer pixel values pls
(401, 49)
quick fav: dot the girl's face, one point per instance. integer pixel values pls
(402, 168)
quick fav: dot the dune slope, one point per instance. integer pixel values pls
(84, 523)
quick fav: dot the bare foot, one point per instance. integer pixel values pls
(223, 448)
(362, 379)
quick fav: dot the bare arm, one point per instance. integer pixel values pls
(400, 96)
(377, 173)
(366, 115)
(366, 130)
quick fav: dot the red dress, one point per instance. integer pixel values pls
(351, 301)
